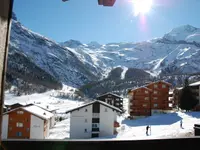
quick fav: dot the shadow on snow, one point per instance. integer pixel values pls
(162, 119)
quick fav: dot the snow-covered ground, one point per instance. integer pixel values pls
(162, 126)
(60, 130)
(45, 99)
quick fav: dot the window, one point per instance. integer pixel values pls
(155, 92)
(95, 135)
(85, 120)
(95, 125)
(85, 110)
(85, 130)
(155, 105)
(19, 134)
(95, 120)
(146, 92)
(106, 110)
(117, 104)
(155, 85)
(163, 86)
(20, 112)
(155, 98)
(10, 119)
(144, 105)
(146, 98)
(95, 129)
(19, 124)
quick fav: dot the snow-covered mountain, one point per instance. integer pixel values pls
(75, 63)
(56, 60)
(175, 52)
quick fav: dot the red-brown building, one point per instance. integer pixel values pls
(139, 102)
(160, 95)
(153, 98)
(29, 122)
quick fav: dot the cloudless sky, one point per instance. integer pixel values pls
(86, 21)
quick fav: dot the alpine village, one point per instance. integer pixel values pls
(98, 117)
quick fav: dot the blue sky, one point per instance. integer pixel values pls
(86, 21)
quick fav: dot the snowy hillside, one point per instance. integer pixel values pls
(176, 51)
(50, 56)
(76, 64)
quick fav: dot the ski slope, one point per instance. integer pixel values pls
(46, 99)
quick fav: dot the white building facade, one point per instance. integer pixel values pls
(51, 110)
(95, 119)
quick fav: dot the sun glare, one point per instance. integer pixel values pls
(142, 6)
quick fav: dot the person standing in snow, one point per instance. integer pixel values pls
(147, 128)
(181, 123)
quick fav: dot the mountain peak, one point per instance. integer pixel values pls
(71, 43)
(181, 33)
(185, 28)
(94, 44)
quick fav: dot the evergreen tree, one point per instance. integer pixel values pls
(187, 99)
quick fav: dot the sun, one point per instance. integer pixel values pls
(142, 6)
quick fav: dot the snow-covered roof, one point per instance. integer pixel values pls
(35, 110)
(110, 94)
(48, 108)
(5, 103)
(38, 112)
(195, 83)
(16, 104)
(95, 101)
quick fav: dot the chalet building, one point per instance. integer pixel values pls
(29, 122)
(94, 119)
(150, 99)
(112, 99)
(195, 90)
(139, 102)
(159, 96)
